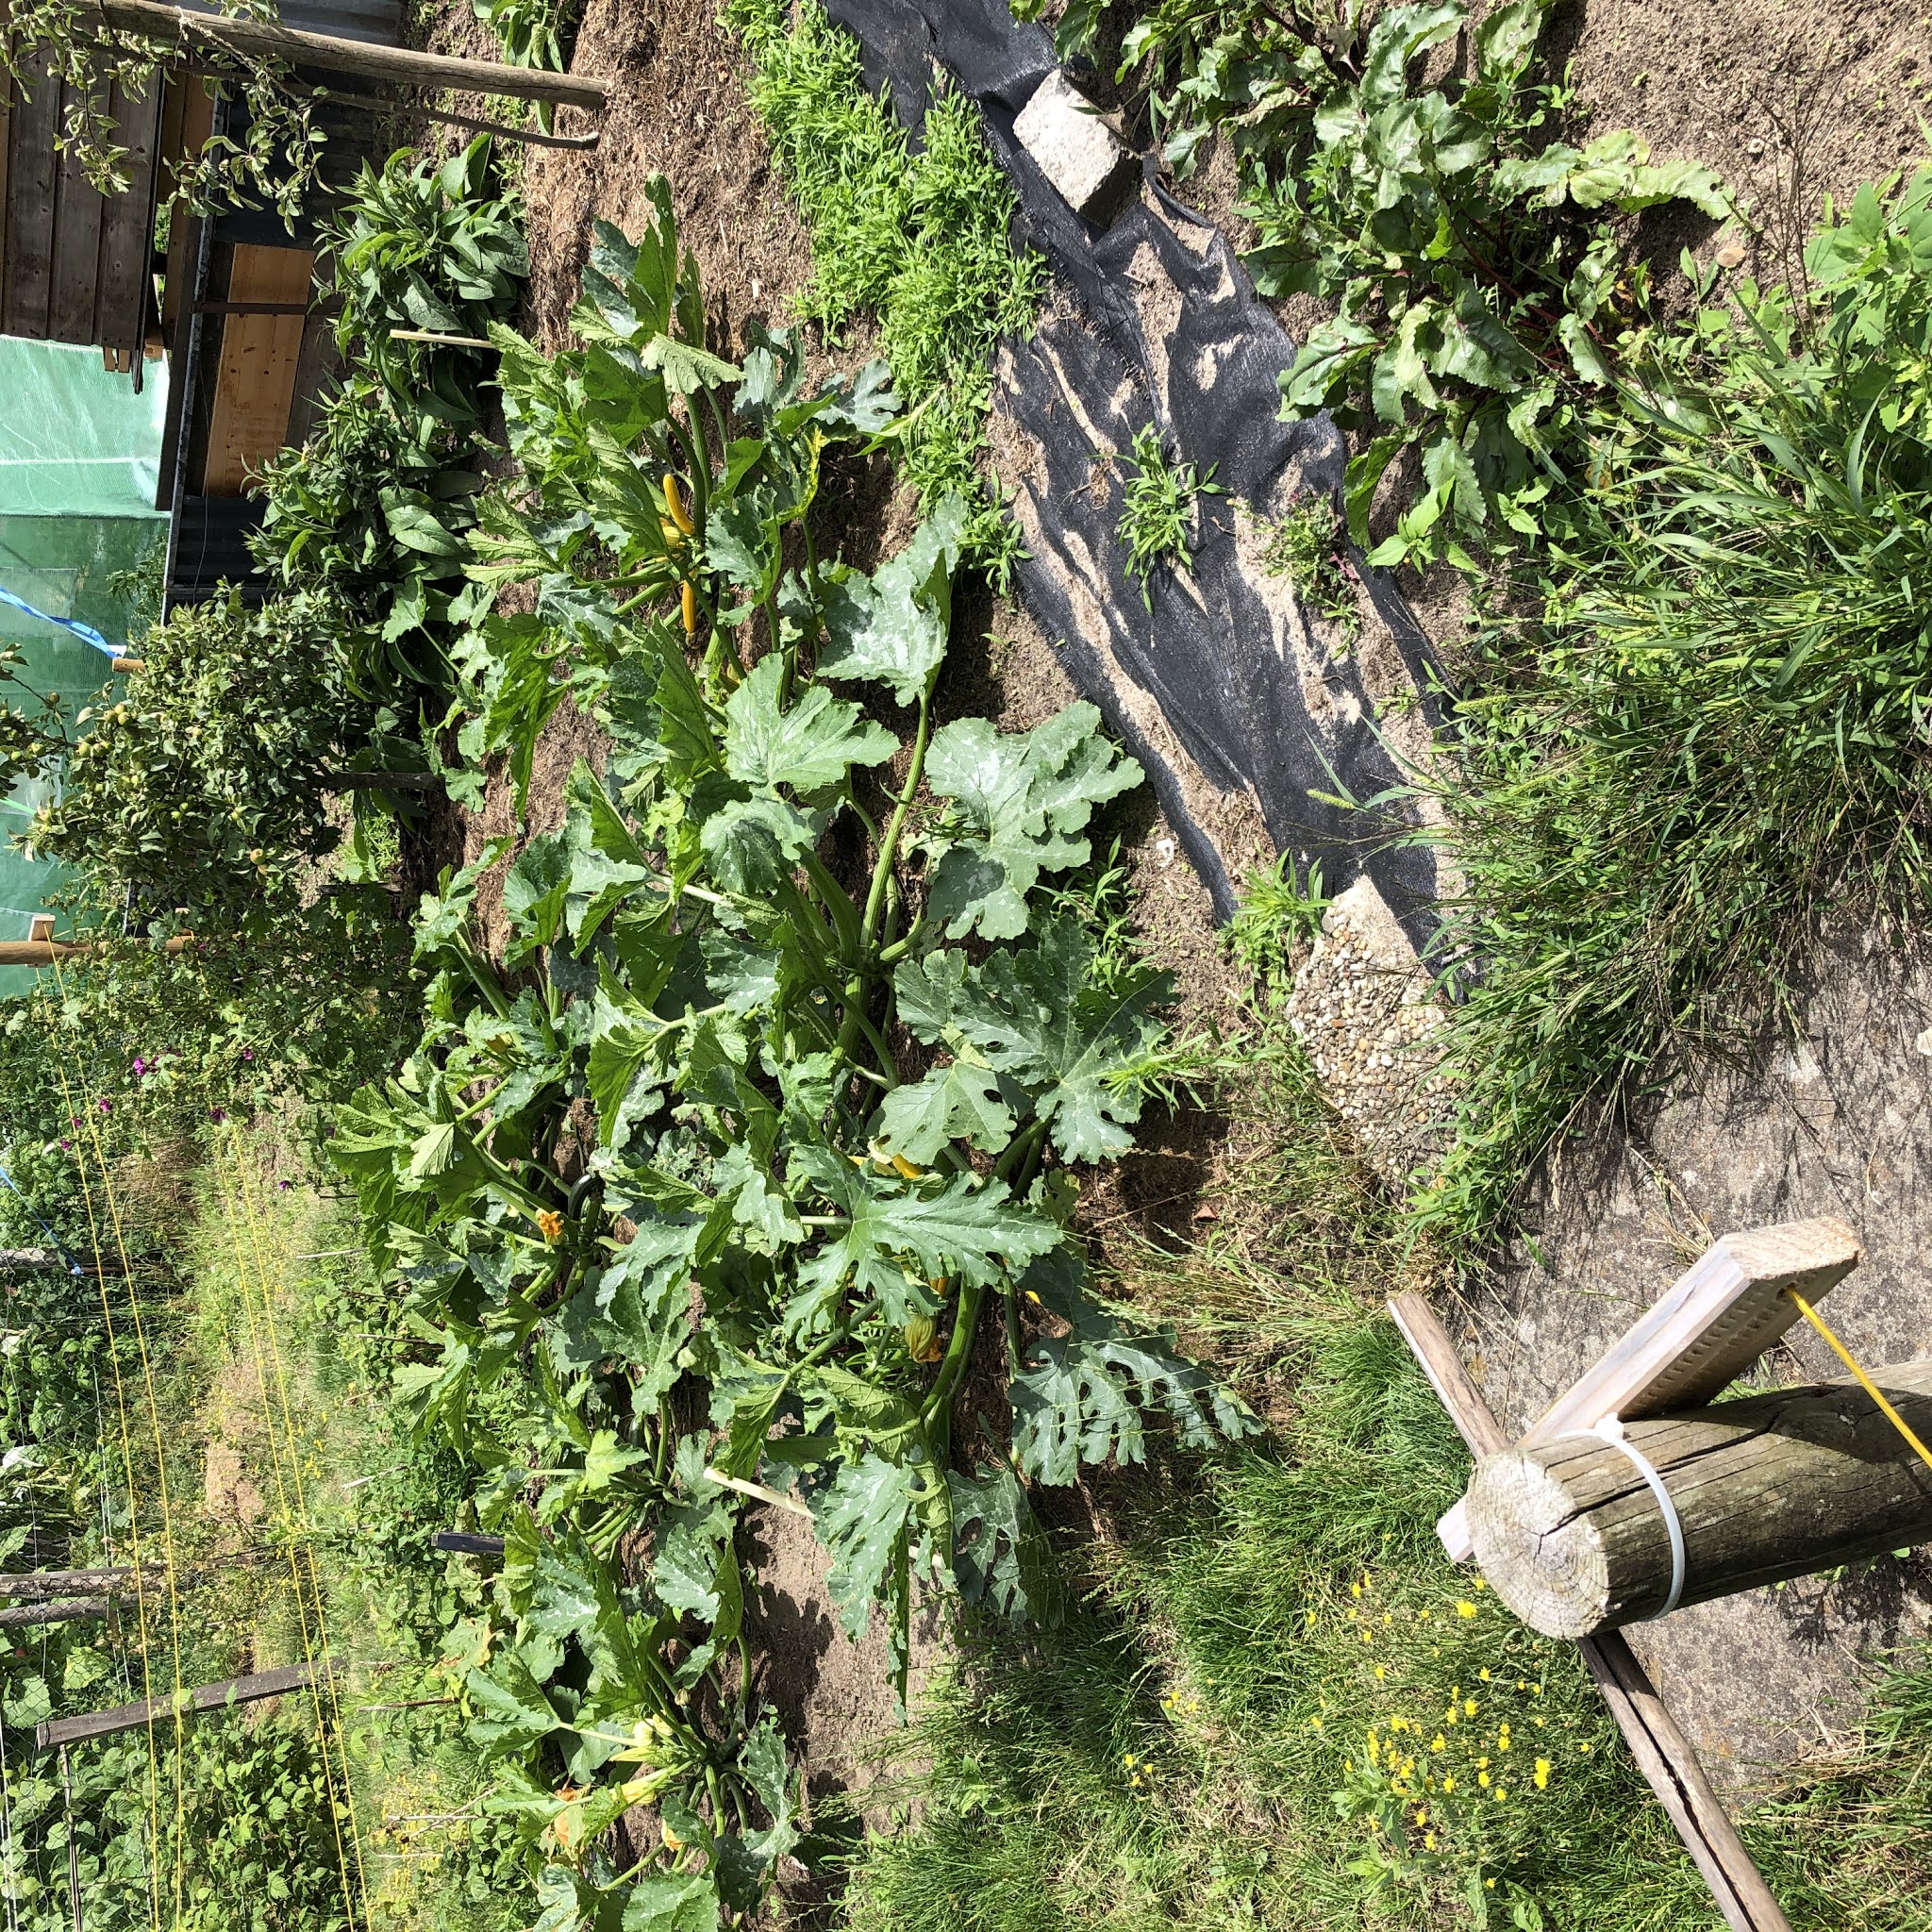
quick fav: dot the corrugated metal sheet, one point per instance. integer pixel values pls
(380, 21)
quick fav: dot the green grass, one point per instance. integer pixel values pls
(1207, 1741)
(918, 241)
(1158, 507)
(1704, 728)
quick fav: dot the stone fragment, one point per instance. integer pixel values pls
(1091, 167)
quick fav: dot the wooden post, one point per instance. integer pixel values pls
(130, 1717)
(265, 40)
(45, 951)
(45, 1583)
(1572, 1537)
(1662, 1751)
(54, 1609)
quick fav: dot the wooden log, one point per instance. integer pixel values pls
(130, 1717)
(1571, 1536)
(45, 1583)
(45, 951)
(58, 1609)
(1716, 1320)
(1660, 1748)
(264, 39)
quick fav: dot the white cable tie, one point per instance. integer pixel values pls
(1610, 1430)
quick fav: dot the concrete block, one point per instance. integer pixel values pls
(1091, 167)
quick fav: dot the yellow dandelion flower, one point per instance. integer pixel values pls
(1502, 1794)
(1448, 1785)
(1543, 1769)
(1482, 1778)
(1478, 1584)
(1464, 1608)
(1428, 1840)
(1381, 1671)
(1484, 1674)
(1468, 1706)
(1355, 1590)
(1438, 1742)
(1585, 1749)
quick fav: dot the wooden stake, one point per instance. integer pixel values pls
(45, 951)
(60, 1610)
(265, 40)
(129, 1717)
(1572, 1537)
(1662, 1751)
(42, 1583)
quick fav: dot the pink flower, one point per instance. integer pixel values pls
(107, 1105)
(248, 1053)
(67, 1143)
(140, 1066)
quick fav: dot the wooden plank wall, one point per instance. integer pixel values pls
(73, 264)
(255, 382)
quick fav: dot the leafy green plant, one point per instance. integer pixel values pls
(921, 240)
(530, 32)
(198, 786)
(1708, 720)
(771, 1023)
(1484, 297)
(375, 510)
(1158, 507)
(1309, 547)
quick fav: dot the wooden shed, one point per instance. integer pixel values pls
(229, 301)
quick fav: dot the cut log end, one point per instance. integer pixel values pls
(1544, 1560)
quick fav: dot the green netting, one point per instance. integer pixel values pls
(78, 532)
(75, 439)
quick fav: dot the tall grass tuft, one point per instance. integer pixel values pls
(1711, 722)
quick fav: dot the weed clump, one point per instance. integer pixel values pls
(919, 241)
(1160, 515)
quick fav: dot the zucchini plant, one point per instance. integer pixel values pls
(766, 1122)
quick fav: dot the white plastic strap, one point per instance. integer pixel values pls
(1610, 1430)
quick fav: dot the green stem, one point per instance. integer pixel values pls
(889, 851)
(959, 1351)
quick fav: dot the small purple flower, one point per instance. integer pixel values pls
(107, 1107)
(140, 1066)
(74, 1120)
(248, 1053)
(215, 1113)
(67, 1143)
(284, 1186)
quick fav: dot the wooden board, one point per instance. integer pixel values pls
(77, 221)
(129, 1717)
(29, 212)
(5, 160)
(126, 248)
(1715, 1322)
(254, 380)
